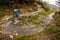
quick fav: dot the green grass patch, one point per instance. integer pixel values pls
(1, 17)
(32, 20)
(44, 12)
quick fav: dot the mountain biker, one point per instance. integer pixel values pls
(16, 12)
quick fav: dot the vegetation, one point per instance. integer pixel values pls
(11, 2)
(32, 20)
(4, 37)
(44, 12)
(54, 29)
(57, 19)
(45, 6)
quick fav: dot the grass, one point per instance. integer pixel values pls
(32, 20)
(1, 18)
(4, 11)
(44, 12)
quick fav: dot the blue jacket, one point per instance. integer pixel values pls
(16, 11)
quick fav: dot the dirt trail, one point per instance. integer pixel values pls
(12, 28)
